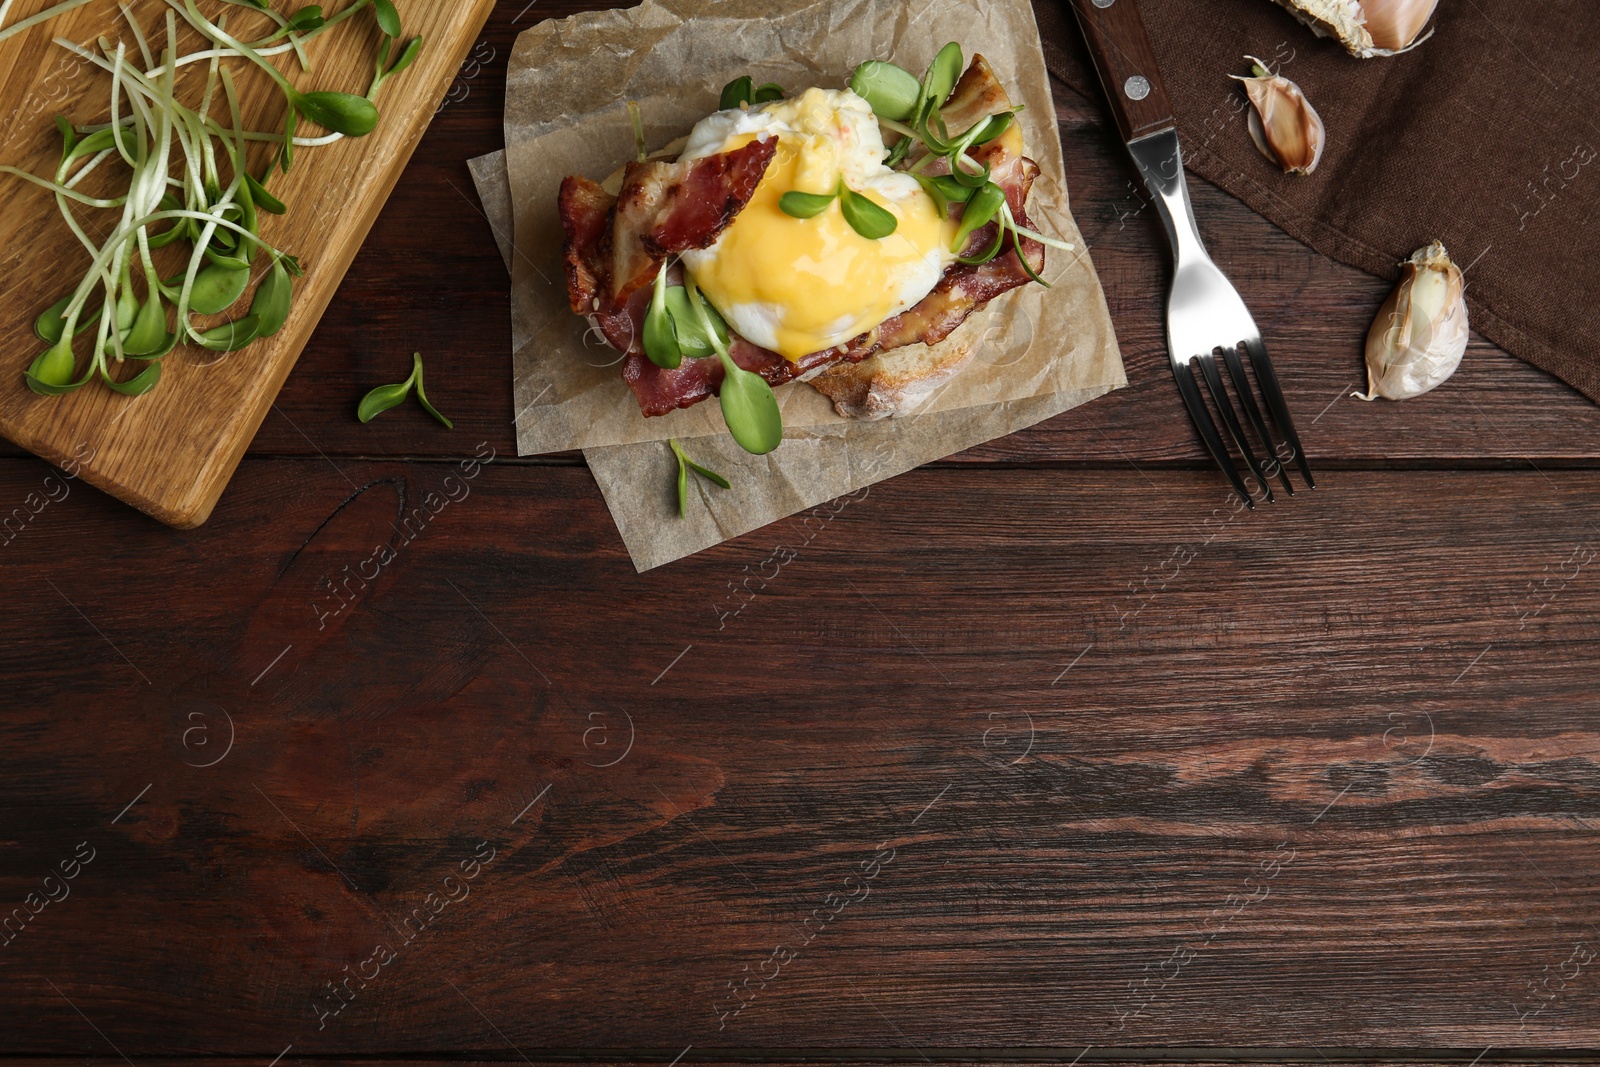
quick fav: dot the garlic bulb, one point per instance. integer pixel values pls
(1420, 334)
(1283, 124)
(1366, 28)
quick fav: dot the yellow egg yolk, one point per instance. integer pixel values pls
(816, 283)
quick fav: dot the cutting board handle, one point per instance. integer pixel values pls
(1127, 65)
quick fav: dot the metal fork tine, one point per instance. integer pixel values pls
(1275, 403)
(1241, 384)
(1208, 368)
(1208, 429)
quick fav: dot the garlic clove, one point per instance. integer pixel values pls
(1283, 124)
(1366, 28)
(1420, 334)
(1395, 24)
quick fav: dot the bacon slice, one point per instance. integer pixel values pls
(615, 246)
(665, 208)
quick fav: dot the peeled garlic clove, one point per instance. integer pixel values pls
(1395, 24)
(1420, 334)
(1366, 28)
(1284, 125)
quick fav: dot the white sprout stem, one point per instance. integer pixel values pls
(62, 190)
(249, 135)
(962, 157)
(83, 172)
(282, 22)
(138, 33)
(220, 36)
(144, 85)
(116, 105)
(299, 142)
(899, 127)
(33, 20)
(222, 53)
(693, 292)
(1041, 238)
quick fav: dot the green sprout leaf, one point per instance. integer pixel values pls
(272, 301)
(941, 203)
(748, 406)
(50, 325)
(739, 91)
(422, 395)
(353, 116)
(892, 91)
(805, 205)
(660, 338)
(216, 289)
(953, 190)
(385, 397)
(980, 211)
(382, 399)
(388, 18)
(767, 92)
(53, 368)
(149, 334)
(231, 336)
(263, 199)
(407, 57)
(69, 136)
(941, 77)
(307, 19)
(685, 465)
(865, 216)
(693, 341)
(138, 385)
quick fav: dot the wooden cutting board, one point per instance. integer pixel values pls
(171, 452)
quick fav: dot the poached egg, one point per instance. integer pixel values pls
(797, 286)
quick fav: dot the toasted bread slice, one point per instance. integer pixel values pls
(898, 381)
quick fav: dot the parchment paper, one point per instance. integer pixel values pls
(1042, 351)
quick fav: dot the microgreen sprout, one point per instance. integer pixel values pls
(913, 108)
(672, 328)
(685, 465)
(186, 180)
(748, 406)
(892, 91)
(743, 92)
(865, 216)
(385, 397)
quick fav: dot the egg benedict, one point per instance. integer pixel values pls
(807, 238)
(802, 285)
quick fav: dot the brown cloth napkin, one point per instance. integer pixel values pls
(1483, 137)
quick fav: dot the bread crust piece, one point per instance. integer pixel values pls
(897, 382)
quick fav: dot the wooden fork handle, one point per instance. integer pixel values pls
(1127, 65)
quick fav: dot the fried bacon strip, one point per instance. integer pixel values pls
(614, 247)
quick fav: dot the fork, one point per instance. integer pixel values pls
(1205, 315)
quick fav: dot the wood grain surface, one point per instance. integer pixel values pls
(171, 452)
(1049, 753)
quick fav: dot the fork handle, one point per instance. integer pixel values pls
(1127, 66)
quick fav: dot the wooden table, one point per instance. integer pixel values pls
(1043, 748)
